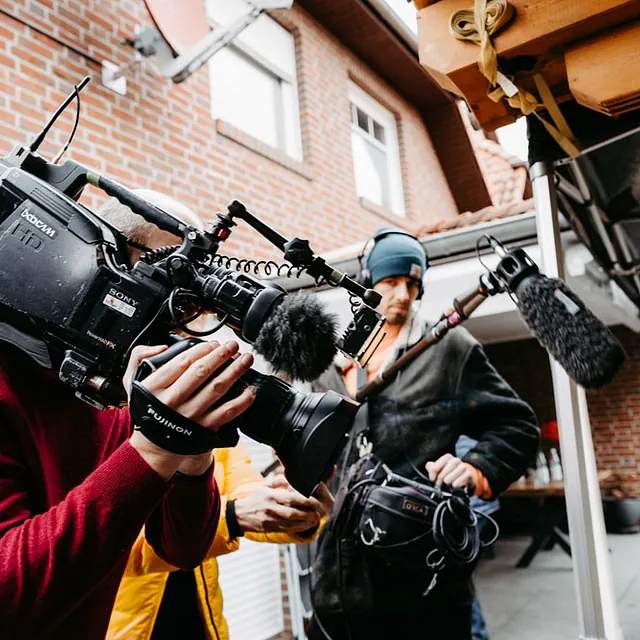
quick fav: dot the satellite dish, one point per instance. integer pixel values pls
(181, 23)
(182, 40)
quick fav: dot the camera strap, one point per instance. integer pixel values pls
(361, 423)
(170, 430)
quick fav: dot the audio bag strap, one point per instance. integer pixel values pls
(170, 430)
(361, 422)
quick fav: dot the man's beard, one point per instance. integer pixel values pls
(395, 318)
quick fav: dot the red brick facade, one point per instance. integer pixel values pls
(614, 410)
(162, 136)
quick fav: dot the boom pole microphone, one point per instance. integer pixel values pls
(583, 345)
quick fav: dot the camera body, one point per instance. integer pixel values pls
(72, 300)
(67, 287)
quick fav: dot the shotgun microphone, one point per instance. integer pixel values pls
(583, 345)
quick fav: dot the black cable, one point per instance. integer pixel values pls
(260, 268)
(206, 598)
(208, 332)
(37, 141)
(151, 256)
(182, 323)
(491, 240)
(496, 529)
(478, 242)
(127, 355)
(463, 552)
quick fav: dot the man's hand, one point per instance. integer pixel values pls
(277, 507)
(324, 497)
(189, 385)
(452, 471)
(321, 501)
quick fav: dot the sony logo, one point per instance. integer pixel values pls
(38, 224)
(158, 418)
(120, 296)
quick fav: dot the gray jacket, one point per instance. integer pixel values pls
(448, 390)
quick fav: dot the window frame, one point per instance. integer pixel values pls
(288, 125)
(359, 98)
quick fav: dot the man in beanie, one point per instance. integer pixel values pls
(413, 425)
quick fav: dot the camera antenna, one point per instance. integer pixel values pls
(33, 147)
(62, 151)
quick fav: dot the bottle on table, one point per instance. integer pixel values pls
(542, 472)
(555, 467)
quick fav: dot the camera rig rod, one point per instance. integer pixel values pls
(298, 252)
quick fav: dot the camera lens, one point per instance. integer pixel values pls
(306, 430)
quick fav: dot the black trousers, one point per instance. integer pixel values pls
(448, 623)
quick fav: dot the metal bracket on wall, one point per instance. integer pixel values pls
(114, 76)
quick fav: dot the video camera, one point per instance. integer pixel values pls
(71, 299)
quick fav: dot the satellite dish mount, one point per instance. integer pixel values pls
(172, 60)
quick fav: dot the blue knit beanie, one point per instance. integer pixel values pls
(396, 254)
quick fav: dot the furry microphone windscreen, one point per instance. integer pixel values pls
(299, 338)
(583, 346)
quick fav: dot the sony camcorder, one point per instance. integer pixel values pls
(70, 298)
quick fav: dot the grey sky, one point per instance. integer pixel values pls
(406, 11)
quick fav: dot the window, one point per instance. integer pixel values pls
(376, 156)
(253, 79)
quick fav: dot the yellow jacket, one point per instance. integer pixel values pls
(142, 587)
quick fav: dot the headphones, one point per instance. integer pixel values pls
(364, 276)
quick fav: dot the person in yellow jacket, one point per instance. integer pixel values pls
(265, 511)
(156, 601)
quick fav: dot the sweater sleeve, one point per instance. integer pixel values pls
(51, 561)
(182, 528)
(504, 425)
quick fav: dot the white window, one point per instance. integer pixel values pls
(253, 79)
(376, 155)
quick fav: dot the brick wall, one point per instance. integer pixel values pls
(161, 135)
(614, 410)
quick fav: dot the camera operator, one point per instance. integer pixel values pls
(157, 601)
(413, 425)
(78, 484)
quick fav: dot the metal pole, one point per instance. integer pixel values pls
(590, 558)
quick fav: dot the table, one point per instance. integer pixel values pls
(550, 517)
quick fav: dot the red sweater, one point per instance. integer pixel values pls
(74, 495)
